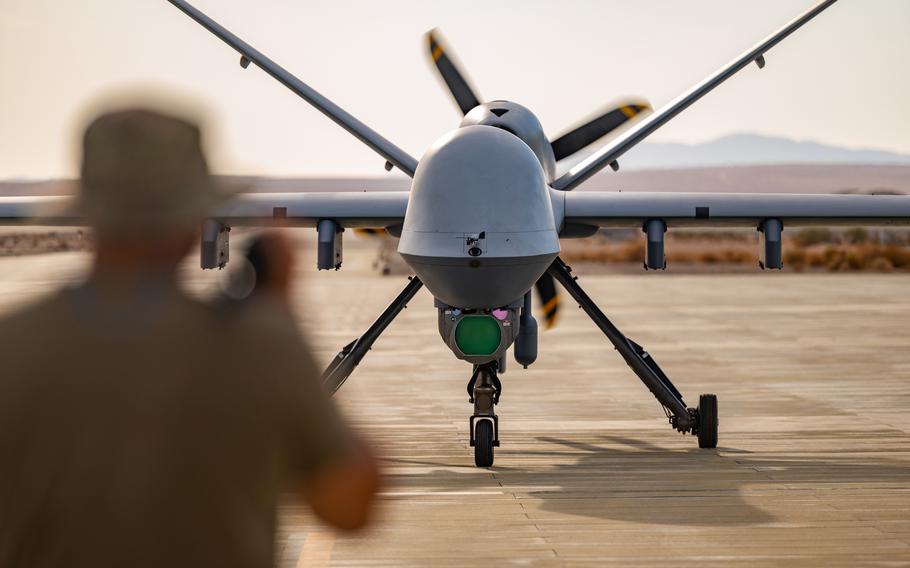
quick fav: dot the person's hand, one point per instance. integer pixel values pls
(342, 494)
(271, 257)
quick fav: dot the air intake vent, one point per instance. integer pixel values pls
(499, 111)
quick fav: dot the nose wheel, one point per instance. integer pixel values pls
(484, 437)
(484, 389)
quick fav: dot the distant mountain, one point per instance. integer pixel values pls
(736, 163)
(751, 150)
(792, 178)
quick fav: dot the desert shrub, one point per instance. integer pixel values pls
(738, 256)
(864, 252)
(709, 257)
(713, 236)
(631, 252)
(856, 235)
(880, 264)
(899, 257)
(815, 258)
(795, 257)
(833, 258)
(686, 256)
(854, 260)
(814, 236)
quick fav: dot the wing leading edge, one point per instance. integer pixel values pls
(632, 210)
(615, 149)
(392, 153)
(381, 209)
(376, 209)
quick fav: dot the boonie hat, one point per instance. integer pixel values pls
(143, 170)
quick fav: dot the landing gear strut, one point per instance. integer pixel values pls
(484, 389)
(350, 355)
(701, 421)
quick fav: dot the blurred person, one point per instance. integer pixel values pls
(263, 272)
(271, 260)
(140, 427)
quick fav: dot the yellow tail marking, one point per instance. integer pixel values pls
(550, 322)
(437, 52)
(629, 111)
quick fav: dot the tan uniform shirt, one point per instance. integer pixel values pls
(148, 429)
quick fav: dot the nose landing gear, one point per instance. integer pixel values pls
(484, 389)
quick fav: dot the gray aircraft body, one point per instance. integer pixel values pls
(482, 223)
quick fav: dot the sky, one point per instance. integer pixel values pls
(843, 79)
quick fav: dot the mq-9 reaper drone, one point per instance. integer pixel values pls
(482, 223)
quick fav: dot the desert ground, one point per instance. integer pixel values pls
(812, 372)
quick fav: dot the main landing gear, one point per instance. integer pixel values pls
(701, 421)
(485, 388)
(351, 354)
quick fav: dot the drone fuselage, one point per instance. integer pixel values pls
(479, 229)
(520, 121)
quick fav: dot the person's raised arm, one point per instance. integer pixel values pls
(331, 467)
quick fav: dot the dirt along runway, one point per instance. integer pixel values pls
(813, 466)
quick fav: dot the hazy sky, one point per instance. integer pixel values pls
(843, 79)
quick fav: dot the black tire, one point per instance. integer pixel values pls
(483, 443)
(707, 421)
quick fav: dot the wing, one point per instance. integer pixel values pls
(612, 209)
(378, 209)
(612, 151)
(392, 153)
(375, 209)
(51, 211)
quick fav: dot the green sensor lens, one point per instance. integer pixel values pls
(478, 335)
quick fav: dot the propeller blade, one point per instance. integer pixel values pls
(549, 299)
(449, 72)
(594, 130)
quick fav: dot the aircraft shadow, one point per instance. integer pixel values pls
(632, 480)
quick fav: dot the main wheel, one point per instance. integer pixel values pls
(707, 421)
(483, 443)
